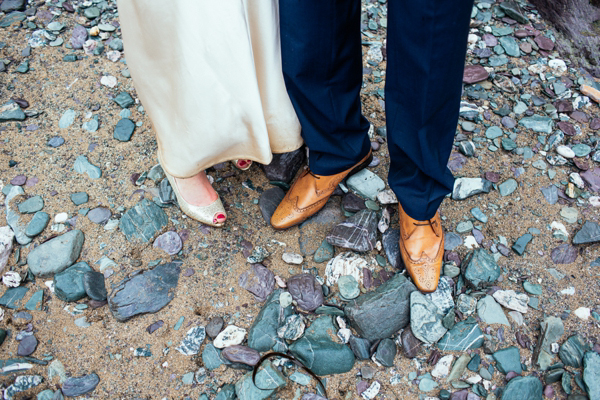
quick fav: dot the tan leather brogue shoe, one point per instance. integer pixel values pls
(422, 249)
(309, 194)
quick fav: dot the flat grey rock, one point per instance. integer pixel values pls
(383, 312)
(143, 221)
(589, 233)
(145, 292)
(55, 255)
(68, 284)
(13, 218)
(358, 233)
(74, 387)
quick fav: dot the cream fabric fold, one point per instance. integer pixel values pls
(208, 74)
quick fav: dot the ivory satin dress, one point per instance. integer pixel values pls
(208, 74)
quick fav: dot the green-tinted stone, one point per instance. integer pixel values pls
(70, 58)
(497, 61)
(464, 336)
(3, 334)
(211, 357)
(301, 379)
(143, 221)
(581, 150)
(13, 296)
(12, 18)
(521, 243)
(493, 132)
(262, 335)
(532, 288)
(268, 380)
(83, 165)
(68, 284)
(510, 45)
(36, 301)
(507, 187)
(179, 323)
(508, 359)
(91, 12)
(474, 363)
(31, 205)
(348, 287)
(591, 374)
(523, 388)
(124, 100)
(11, 111)
(324, 253)
(480, 268)
(572, 351)
(538, 123)
(37, 224)
(508, 145)
(318, 352)
(124, 129)
(227, 392)
(23, 67)
(329, 310)
(79, 198)
(479, 215)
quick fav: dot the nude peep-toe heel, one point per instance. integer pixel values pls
(246, 164)
(205, 214)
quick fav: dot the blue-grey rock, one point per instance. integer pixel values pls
(510, 45)
(13, 218)
(67, 119)
(464, 336)
(68, 284)
(512, 9)
(55, 255)
(552, 330)
(31, 205)
(508, 359)
(37, 224)
(550, 194)
(358, 233)
(538, 123)
(36, 301)
(84, 166)
(227, 392)
(143, 221)
(383, 312)
(508, 187)
(79, 198)
(74, 387)
(211, 357)
(572, 351)
(144, 292)
(11, 111)
(27, 346)
(124, 100)
(325, 252)
(366, 184)
(391, 247)
(521, 243)
(360, 347)
(386, 352)
(523, 388)
(318, 352)
(99, 215)
(479, 268)
(591, 374)
(94, 285)
(124, 130)
(589, 233)
(268, 380)
(91, 125)
(262, 335)
(491, 312)
(12, 5)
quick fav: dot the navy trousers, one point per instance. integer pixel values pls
(322, 68)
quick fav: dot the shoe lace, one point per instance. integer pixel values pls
(430, 222)
(313, 174)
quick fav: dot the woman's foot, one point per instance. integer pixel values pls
(198, 191)
(242, 164)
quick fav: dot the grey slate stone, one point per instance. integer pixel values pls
(31, 205)
(143, 221)
(262, 335)
(37, 224)
(479, 268)
(145, 292)
(74, 387)
(68, 284)
(383, 312)
(523, 388)
(55, 255)
(284, 166)
(589, 233)
(358, 233)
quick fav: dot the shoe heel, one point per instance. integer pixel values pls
(362, 165)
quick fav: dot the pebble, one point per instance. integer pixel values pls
(366, 184)
(68, 284)
(27, 346)
(67, 119)
(241, 354)
(83, 166)
(31, 205)
(124, 130)
(258, 280)
(190, 345)
(306, 291)
(512, 300)
(348, 287)
(143, 221)
(170, 242)
(55, 255)
(94, 285)
(37, 225)
(99, 215)
(73, 387)
(230, 336)
(292, 258)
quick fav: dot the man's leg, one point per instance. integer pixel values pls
(426, 50)
(322, 67)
